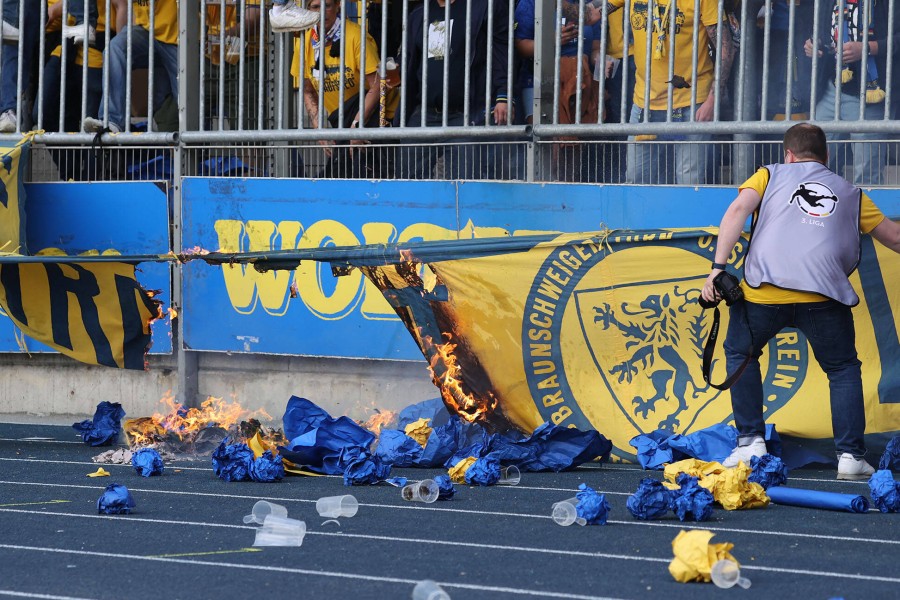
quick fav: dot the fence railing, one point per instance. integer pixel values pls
(654, 92)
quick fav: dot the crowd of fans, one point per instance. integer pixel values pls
(677, 66)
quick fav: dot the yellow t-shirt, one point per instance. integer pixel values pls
(232, 13)
(166, 19)
(615, 37)
(95, 57)
(331, 97)
(869, 218)
(641, 22)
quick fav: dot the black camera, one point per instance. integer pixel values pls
(728, 287)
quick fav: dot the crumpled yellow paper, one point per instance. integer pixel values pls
(729, 487)
(419, 430)
(458, 471)
(695, 556)
(100, 472)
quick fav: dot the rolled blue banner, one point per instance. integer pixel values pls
(816, 499)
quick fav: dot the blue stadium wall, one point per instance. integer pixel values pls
(308, 311)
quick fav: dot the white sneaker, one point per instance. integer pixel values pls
(292, 18)
(853, 469)
(8, 121)
(757, 447)
(92, 125)
(10, 32)
(76, 32)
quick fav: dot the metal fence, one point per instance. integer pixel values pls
(648, 92)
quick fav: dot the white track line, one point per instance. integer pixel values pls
(529, 549)
(410, 506)
(16, 594)
(41, 441)
(286, 570)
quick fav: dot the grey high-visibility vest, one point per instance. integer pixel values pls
(805, 233)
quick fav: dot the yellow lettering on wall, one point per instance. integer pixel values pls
(374, 306)
(312, 275)
(246, 285)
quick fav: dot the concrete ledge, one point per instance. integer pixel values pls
(49, 388)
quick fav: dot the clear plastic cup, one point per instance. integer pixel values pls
(429, 590)
(280, 531)
(726, 573)
(421, 491)
(510, 475)
(565, 513)
(335, 507)
(262, 509)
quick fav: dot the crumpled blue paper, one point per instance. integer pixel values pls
(444, 441)
(767, 471)
(690, 501)
(396, 481)
(267, 468)
(116, 500)
(147, 462)
(713, 443)
(592, 507)
(890, 460)
(652, 500)
(433, 409)
(653, 450)
(445, 487)
(484, 471)
(885, 491)
(549, 448)
(362, 468)
(317, 440)
(397, 448)
(232, 462)
(104, 428)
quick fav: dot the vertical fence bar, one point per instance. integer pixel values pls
(85, 63)
(579, 50)
(718, 84)
(205, 44)
(63, 63)
(445, 96)
(672, 11)
(363, 25)
(342, 78)
(626, 63)
(815, 59)
(425, 24)
(510, 52)
(866, 10)
(889, 62)
(468, 66)
(42, 48)
(651, 8)
(557, 55)
(128, 65)
(151, 66)
(839, 61)
(404, 32)
(221, 87)
(791, 59)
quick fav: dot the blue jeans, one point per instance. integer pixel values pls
(165, 66)
(868, 157)
(9, 51)
(76, 9)
(828, 326)
(417, 162)
(685, 164)
(52, 87)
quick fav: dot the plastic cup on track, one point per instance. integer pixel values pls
(335, 507)
(421, 491)
(510, 475)
(726, 573)
(565, 513)
(262, 509)
(429, 590)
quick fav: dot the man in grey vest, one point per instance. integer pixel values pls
(804, 244)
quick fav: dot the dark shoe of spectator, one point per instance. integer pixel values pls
(292, 18)
(8, 121)
(92, 125)
(10, 33)
(76, 32)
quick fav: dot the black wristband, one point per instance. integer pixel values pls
(716, 265)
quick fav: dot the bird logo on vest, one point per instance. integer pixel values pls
(815, 199)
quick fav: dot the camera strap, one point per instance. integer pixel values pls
(708, 353)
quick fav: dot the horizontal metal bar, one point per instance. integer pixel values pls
(86, 139)
(423, 134)
(710, 128)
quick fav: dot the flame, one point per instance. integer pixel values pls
(380, 420)
(447, 375)
(185, 422)
(173, 314)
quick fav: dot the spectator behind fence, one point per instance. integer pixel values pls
(868, 157)
(53, 84)
(356, 161)
(418, 162)
(643, 160)
(569, 160)
(165, 49)
(781, 67)
(231, 69)
(9, 57)
(285, 15)
(77, 28)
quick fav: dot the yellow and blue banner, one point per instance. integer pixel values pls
(603, 330)
(13, 161)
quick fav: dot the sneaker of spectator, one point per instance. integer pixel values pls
(8, 122)
(77, 33)
(92, 125)
(287, 16)
(10, 33)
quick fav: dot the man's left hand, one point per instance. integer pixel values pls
(500, 112)
(706, 111)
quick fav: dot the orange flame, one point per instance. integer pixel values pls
(173, 314)
(185, 422)
(447, 375)
(380, 420)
